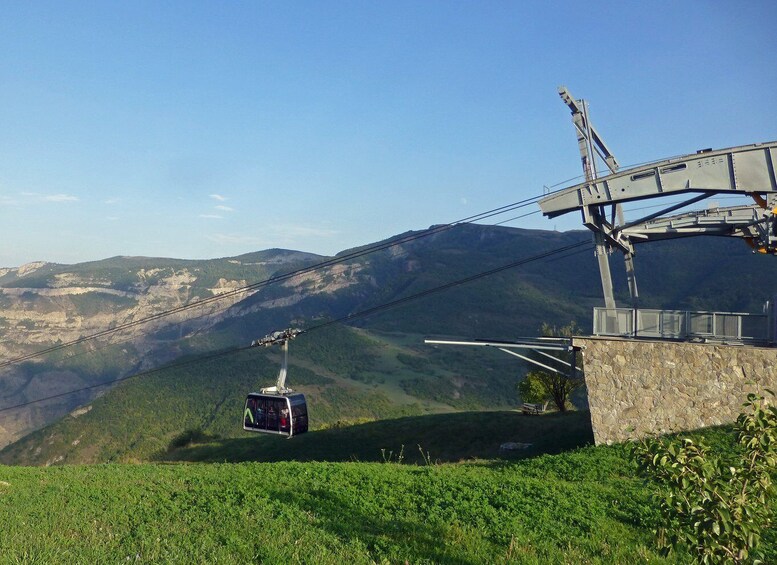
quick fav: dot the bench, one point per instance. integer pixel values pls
(529, 408)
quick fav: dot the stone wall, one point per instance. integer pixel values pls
(637, 388)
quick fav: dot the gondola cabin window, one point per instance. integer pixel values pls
(282, 414)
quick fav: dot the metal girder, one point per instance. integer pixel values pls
(537, 345)
(549, 344)
(584, 127)
(590, 144)
(754, 224)
(747, 169)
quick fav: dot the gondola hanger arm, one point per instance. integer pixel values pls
(281, 337)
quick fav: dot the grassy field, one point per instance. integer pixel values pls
(328, 512)
(584, 505)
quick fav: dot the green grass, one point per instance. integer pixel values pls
(585, 505)
(320, 513)
(581, 506)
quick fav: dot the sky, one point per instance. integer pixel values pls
(210, 129)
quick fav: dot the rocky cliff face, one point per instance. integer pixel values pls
(72, 306)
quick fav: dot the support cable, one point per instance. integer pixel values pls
(573, 248)
(276, 279)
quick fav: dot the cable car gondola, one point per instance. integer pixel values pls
(276, 410)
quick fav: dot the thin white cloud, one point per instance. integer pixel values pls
(60, 198)
(25, 198)
(464, 200)
(112, 201)
(218, 197)
(225, 208)
(212, 216)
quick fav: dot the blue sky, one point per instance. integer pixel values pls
(211, 129)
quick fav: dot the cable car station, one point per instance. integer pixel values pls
(657, 371)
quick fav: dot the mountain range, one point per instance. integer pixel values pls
(377, 366)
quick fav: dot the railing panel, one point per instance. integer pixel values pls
(755, 328)
(617, 321)
(673, 324)
(728, 325)
(649, 323)
(701, 324)
(680, 324)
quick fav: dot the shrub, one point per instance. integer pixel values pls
(715, 509)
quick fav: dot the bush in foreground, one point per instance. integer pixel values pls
(715, 508)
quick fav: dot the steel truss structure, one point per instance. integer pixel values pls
(747, 170)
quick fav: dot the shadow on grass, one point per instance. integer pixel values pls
(444, 438)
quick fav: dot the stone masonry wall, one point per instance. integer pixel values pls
(638, 388)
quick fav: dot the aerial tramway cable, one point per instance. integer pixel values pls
(278, 278)
(570, 250)
(400, 301)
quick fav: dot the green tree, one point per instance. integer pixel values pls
(715, 508)
(532, 389)
(539, 386)
(554, 386)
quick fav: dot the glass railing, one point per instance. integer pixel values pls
(682, 325)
